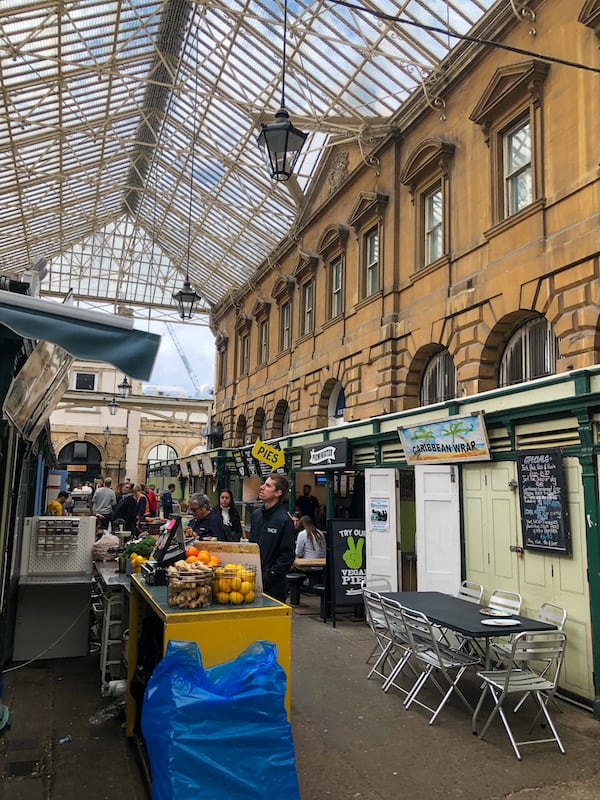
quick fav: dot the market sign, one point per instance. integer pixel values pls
(327, 455)
(349, 560)
(272, 456)
(451, 440)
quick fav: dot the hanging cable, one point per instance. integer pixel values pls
(464, 37)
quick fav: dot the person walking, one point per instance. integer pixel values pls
(271, 527)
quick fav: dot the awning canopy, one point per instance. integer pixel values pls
(89, 335)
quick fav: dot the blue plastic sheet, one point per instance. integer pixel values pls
(219, 733)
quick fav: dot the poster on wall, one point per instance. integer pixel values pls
(543, 501)
(348, 560)
(379, 513)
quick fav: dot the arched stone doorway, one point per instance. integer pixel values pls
(82, 461)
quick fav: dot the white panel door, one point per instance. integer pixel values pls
(437, 540)
(382, 525)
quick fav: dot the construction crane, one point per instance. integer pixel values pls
(183, 357)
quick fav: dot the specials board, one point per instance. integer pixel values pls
(348, 566)
(543, 500)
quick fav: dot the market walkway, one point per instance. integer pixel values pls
(352, 741)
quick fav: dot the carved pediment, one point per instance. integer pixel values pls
(242, 323)
(430, 157)
(221, 341)
(334, 238)
(283, 289)
(261, 309)
(370, 205)
(509, 85)
(307, 265)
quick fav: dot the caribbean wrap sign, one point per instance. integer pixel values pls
(451, 440)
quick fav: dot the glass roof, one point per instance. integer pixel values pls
(128, 129)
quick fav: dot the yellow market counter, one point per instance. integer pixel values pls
(221, 632)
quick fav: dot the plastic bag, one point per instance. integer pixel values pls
(220, 732)
(100, 547)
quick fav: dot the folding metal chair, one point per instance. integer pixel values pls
(401, 644)
(520, 677)
(503, 600)
(470, 591)
(434, 659)
(384, 644)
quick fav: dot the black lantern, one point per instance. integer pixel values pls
(113, 407)
(125, 388)
(280, 142)
(186, 300)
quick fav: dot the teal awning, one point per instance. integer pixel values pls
(90, 335)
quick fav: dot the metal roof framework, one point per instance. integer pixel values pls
(128, 130)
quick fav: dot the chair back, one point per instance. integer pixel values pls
(374, 611)
(395, 623)
(546, 647)
(377, 584)
(503, 600)
(473, 592)
(553, 615)
(419, 631)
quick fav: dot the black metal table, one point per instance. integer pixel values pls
(464, 617)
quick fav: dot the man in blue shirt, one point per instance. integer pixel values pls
(166, 500)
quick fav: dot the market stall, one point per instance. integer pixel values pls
(221, 632)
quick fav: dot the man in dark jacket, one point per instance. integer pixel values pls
(166, 500)
(271, 527)
(126, 510)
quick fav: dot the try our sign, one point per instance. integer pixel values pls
(272, 456)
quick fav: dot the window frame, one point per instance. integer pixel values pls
(263, 342)
(245, 353)
(511, 177)
(425, 174)
(371, 266)
(308, 307)
(336, 287)
(435, 371)
(519, 346)
(513, 95)
(433, 231)
(366, 217)
(81, 374)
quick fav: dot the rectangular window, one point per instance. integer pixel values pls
(263, 354)
(518, 187)
(434, 241)
(245, 355)
(336, 288)
(222, 367)
(308, 305)
(285, 326)
(372, 262)
(85, 382)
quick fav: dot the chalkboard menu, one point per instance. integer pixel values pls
(543, 501)
(348, 569)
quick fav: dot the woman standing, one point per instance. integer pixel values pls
(142, 503)
(311, 541)
(229, 515)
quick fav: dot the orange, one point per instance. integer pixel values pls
(214, 561)
(192, 559)
(204, 556)
(191, 551)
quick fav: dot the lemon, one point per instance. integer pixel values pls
(246, 587)
(248, 597)
(236, 584)
(236, 599)
(223, 597)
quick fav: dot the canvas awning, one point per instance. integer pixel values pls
(90, 335)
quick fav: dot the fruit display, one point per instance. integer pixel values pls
(235, 584)
(136, 561)
(190, 584)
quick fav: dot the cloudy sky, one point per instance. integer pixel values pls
(198, 344)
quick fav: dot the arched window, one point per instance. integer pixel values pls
(531, 353)
(439, 379)
(161, 452)
(337, 406)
